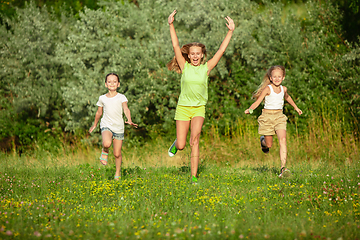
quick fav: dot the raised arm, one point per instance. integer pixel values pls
(175, 42)
(212, 62)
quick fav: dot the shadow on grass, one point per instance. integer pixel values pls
(187, 169)
(264, 169)
(138, 172)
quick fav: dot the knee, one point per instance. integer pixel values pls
(117, 154)
(194, 141)
(282, 141)
(180, 146)
(106, 144)
(268, 143)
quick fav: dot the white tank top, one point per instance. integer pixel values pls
(274, 100)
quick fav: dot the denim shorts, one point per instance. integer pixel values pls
(117, 136)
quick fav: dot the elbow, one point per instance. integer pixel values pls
(98, 114)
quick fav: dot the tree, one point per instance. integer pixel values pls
(31, 81)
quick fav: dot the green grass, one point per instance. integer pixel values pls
(239, 196)
(83, 202)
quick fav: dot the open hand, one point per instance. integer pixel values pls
(230, 23)
(171, 17)
(92, 128)
(132, 124)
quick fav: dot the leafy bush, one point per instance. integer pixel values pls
(54, 70)
(31, 79)
(135, 43)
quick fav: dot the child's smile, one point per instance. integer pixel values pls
(195, 55)
(112, 83)
(277, 77)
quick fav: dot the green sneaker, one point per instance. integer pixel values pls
(194, 180)
(172, 150)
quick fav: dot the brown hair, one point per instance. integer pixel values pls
(109, 74)
(173, 64)
(266, 80)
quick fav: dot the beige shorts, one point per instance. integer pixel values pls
(270, 121)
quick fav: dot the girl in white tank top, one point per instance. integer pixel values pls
(274, 100)
(272, 120)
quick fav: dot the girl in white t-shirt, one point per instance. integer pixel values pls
(112, 105)
(272, 120)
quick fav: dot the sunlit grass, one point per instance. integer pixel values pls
(156, 202)
(239, 196)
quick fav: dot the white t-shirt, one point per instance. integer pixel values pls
(274, 100)
(112, 117)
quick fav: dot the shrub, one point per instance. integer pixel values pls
(31, 79)
(54, 70)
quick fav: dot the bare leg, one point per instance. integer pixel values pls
(106, 142)
(118, 156)
(182, 129)
(268, 141)
(196, 125)
(281, 134)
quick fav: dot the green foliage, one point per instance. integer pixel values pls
(264, 39)
(54, 70)
(115, 41)
(8, 8)
(347, 79)
(309, 48)
(31, 78)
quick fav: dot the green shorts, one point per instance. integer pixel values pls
(270, 121)
(186, 113)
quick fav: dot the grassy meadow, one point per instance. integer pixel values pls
(239, 196)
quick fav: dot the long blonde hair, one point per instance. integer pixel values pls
(266, 80)
(173, 64)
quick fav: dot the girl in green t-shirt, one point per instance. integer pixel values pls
(190, 61)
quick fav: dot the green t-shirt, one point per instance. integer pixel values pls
(194, 85)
